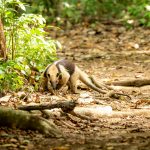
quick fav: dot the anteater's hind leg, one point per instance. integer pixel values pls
(73, 82)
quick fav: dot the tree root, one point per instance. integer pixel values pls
(88, 113)
(24, 120)
(131, 82)
(67, 107)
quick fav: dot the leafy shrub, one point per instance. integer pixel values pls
(10, 78)
(29, 46)
(139, 12)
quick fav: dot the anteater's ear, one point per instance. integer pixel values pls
(45, 72)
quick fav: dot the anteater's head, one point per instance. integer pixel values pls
(52, 74)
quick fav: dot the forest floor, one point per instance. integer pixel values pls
(109, 52)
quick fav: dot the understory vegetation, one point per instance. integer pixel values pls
(135, 12)
(29, 46)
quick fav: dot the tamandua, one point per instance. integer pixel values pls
(64, 72)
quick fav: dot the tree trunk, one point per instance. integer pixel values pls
(3, 50)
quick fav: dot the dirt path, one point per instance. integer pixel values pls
(109, 53)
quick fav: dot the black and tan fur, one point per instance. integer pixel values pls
(62, 73)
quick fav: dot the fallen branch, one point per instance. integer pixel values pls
(134, 82)
(91, 112)
(97, 112)
(24, 120)
(65, 106)
(131, 113)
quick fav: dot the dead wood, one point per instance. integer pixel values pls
(139, 102)
(65, 106)
(131, 113)
(95, 113)
(133, 82)
(3, 50)
(24, 120)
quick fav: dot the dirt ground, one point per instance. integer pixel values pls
(109, 52)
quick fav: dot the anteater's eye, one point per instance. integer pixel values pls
(48, 75)
(57, 74)
(60, 77)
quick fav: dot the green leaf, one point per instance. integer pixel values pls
(22, 6)
(1, 72)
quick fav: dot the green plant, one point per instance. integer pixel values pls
(29, 45)
(10, 78)
(63, 11)
(31, 41)
(139, 11)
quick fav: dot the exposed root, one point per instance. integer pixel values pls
(25, 120)
(131, 82)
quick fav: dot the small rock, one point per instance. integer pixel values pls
(25, 142)
(5, 98)
(84, 95)
(13, 140)
(85, 100)
(136, 46)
